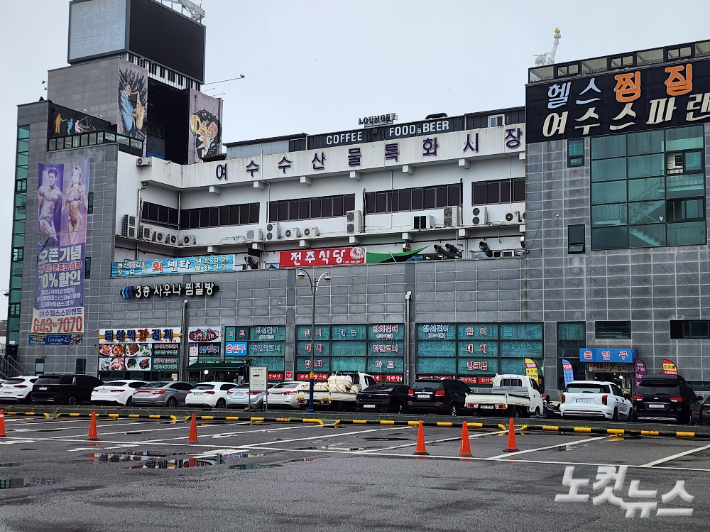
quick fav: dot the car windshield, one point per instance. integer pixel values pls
(287, 385)
(156, 385)
(584, 387)
(14, 381)
(204, 387)
(115, 383)
(658, 390)
(428, 386)
(380, 388)
(55, 379)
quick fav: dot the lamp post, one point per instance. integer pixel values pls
(302, 274)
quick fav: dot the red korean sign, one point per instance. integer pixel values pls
(307, 376)
(275, 376)
(387, 378)
(322, 257)
(289, 375)
(477, 380)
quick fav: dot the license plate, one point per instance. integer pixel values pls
(656, 406)
(42, 387)
(368, 406)
(487, 407)
(423, 397)
(103, 391)
(197, 393)
(584, 400)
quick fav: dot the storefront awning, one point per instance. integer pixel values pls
(624, 355)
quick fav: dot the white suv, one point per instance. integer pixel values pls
(595, 398)
(18, 389)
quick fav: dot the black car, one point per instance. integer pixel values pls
(440, 396)
(384, 398)
(64, 389)
(666, 396)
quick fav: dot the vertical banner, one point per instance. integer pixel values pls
(567, 371)
(205, 127)
(669, 368)
(132, 100)
(531, 369)
(639, 370)
(62, 209)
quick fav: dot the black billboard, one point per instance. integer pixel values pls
(165, 36)
(620, 102)
(64, 121)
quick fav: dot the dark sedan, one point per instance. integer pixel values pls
(383, 398)
(667, 397)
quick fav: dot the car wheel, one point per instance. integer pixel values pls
(630, 415)
(172, 402)
(452, 410)
(72, 400)
(129, 401)
(221, 403)
(28, 399)
(514, 412)
(615, 415)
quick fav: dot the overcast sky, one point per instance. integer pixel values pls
(316, 66)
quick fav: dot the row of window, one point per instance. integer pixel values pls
(18, 234)
(311, 208)
(413, 199)
(503, 191)
(621, 330)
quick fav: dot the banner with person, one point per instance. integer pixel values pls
(62, 193)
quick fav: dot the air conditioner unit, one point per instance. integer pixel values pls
(353, 220)
(273, 231)
(129, 229)
(159, 236)
(147, 233)
(294, 232)
(674, 163)
(311, 232)
(479, 216)
(188, 240)
(451, 217)
(512, 217)
(422, 222)
(144, 161)
(255, 235)
(171, 239)
(522, 216)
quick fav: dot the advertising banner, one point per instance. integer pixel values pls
(321, 257)
(139, 335)
(567, 371)
(205, 127)
(669, 368)
(204, 334)
(132, 100)
(607, 354)
(531, 369)
(208, 263)
(640, 370)
(59, 288)
(56, 339)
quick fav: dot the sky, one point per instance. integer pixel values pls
(315, 66)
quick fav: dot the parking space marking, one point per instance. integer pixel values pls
(412, 444)
(547, 448)
(674, 456)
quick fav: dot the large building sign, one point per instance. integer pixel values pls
(59, 288)
(139, 335)
(132, 117)
(635, 100)
(321, 257)
(205, 136)
(167, 290)
(207, 263)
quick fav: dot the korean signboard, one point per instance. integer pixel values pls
(167, 290)
(204, 334)
(321, 257)
(59, 289)
(139, 335)
(208, 263)
(635, 100)
(607, 354)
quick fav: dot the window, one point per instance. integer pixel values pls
(154, 214)
(225, 215)
(575, 152)
(678, 53)
(616, 330)
(411, 199)
(307, 208)
(495, 192)
(39, 366)
(80, 366)
(496, 120)
(571, 336)
(690, 329)
(649, 57)
(685, 210)
(87, 267)
(90, 201)
(594, 65)
(575, 239)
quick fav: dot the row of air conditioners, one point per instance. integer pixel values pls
(131, 229)
(274, 231)
(482, 216)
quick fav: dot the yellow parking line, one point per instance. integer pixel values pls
(685, 434)
(444, 424)
(615, 431)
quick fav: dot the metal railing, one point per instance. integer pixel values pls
(9, 367)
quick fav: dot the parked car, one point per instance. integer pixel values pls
(170, 394)
(64, 389)
(704, 416)
(595, 399)
(440, 396)
(18, 389)
(285, 394)
(668, 397)
(383, 397)
(212, 394)
(120, 392)
(241, 397)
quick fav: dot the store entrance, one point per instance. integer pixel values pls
(625, 381)
(236, 375)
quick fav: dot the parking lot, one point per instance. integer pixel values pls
(279, 475)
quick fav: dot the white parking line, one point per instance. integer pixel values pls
(674, 456)
(568, 444)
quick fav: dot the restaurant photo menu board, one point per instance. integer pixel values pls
(139, 349)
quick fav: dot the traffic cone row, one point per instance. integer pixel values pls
(2, 423)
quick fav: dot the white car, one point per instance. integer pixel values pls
(595, 398)
(241, 397)
(120, 392)
(18, 389)
(212, 394)
(285, 394)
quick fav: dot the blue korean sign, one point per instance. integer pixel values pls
(55, 339)
(235, 349)
(607, 354)
(208, 263)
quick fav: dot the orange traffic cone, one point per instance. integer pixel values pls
(2, 423)
(511, 438)
(192, 438)
(421, 447)
(465, 449)
(92, 427)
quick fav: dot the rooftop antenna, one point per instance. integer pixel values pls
(196, 12)
(549, 58)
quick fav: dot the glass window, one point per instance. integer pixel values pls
(684, 138)
(254, 209)
(649, 57)
(194, 218)
(594, 65)
(454, 195)
(429, 198)
(610, 238)
(541, 73)
(690, 329)
(479, 193)
(682, 210)
(442, 196)
(647, 165)
(224, 215)
(52, 144)
(304, 209)
(417, 199)
(349, 202)
(619, 62)
(92, 139)
(283, 211)
(370, 203)
(607, 147)
(605, 215)
(405, 200)
(686, 234)
(205, 217)
(273, 211)
(293, 209)
(646, 142)
(316, 207)
(327, 207)
(518, 189)
(702, 49)
(381, 202)
(575, 239)
(338, 206)
(575, 152)
(571, 336)
(394, 201)
(608, 192)
(493, 192)
(680, 186)
(612, 330)
(693, 161)
(505, 191)
(235, 214)
(677, 53)
(21, 185)
(172, 214)
(110, 137)
(647, 236)
(647, 212)
(243, 215)
(647, 189)
(609, 169)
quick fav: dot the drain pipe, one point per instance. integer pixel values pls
(184, 347)
(408, 301)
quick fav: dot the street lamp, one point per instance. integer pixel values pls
(302, 274)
